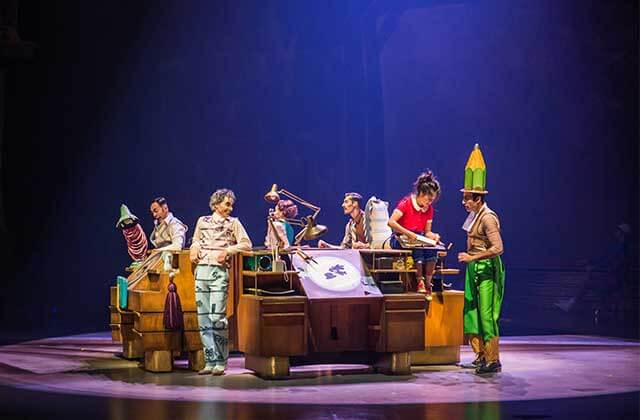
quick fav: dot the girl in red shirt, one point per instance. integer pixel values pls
(414, 215)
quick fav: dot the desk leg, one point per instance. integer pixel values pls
(441, 355)
(132, 349)
(158, 361)
(272, 367)
(196, 360)
(394, 363)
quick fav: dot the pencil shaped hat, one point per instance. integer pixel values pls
(475, 173)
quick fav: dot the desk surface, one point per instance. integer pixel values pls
(258, 252)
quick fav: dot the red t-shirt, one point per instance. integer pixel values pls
(412, 219)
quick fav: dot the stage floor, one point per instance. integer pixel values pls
(534, 368)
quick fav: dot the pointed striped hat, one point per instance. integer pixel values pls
(475, 173)
(127, 218)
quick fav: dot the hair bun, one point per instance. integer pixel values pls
(427, 182)
(425, 177)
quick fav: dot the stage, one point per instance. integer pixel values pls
(86, 369)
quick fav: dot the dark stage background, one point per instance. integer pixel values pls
(129, 100)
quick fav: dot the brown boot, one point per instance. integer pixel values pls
(477, 345)
(492, 357)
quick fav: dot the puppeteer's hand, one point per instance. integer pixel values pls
(360, 245)
(193, 255)
(463, 257)
(322, 244)
(434, 236)
(412, 237)
(222, 256)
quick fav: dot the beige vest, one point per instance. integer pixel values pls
(477, 240)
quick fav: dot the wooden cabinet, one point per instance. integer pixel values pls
(278, 319)
(141, 328)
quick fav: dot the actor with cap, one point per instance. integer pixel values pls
(169, 232)
(354, 234)
(215, 238)
(484, 278)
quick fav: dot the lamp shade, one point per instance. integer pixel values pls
(272, 196)
(314, 232)
(310, 231)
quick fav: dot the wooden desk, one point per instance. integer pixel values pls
(443, 332)
(272, 329)
(397, 329)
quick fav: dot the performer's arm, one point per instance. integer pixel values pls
(346, 240)
(345, 243)
(397, 227)
(428, 233)
(276, 235)
(178, 234)
(323, 244)
(242, 239)
(194, 250)
(492, 230)
(268, 238)
(152, 237)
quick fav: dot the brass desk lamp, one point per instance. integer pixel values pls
(310, 229)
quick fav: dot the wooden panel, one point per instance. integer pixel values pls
(248, 324)
(405, 301)
(234, 277)
(404, 330)
(443, 325)
(154, 321)
(146, 301)
(403, 323)
(232, 323)
(356, 329)
(341, 325)
(283, 334)
(282, 306)
(128, 333)
(120, 317)
(162, 341)
(280, 330)
(191, 341)
(156, 282)
(113, 295)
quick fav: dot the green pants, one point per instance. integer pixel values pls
(483, 293)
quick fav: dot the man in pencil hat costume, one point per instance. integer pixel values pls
(484, 278)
